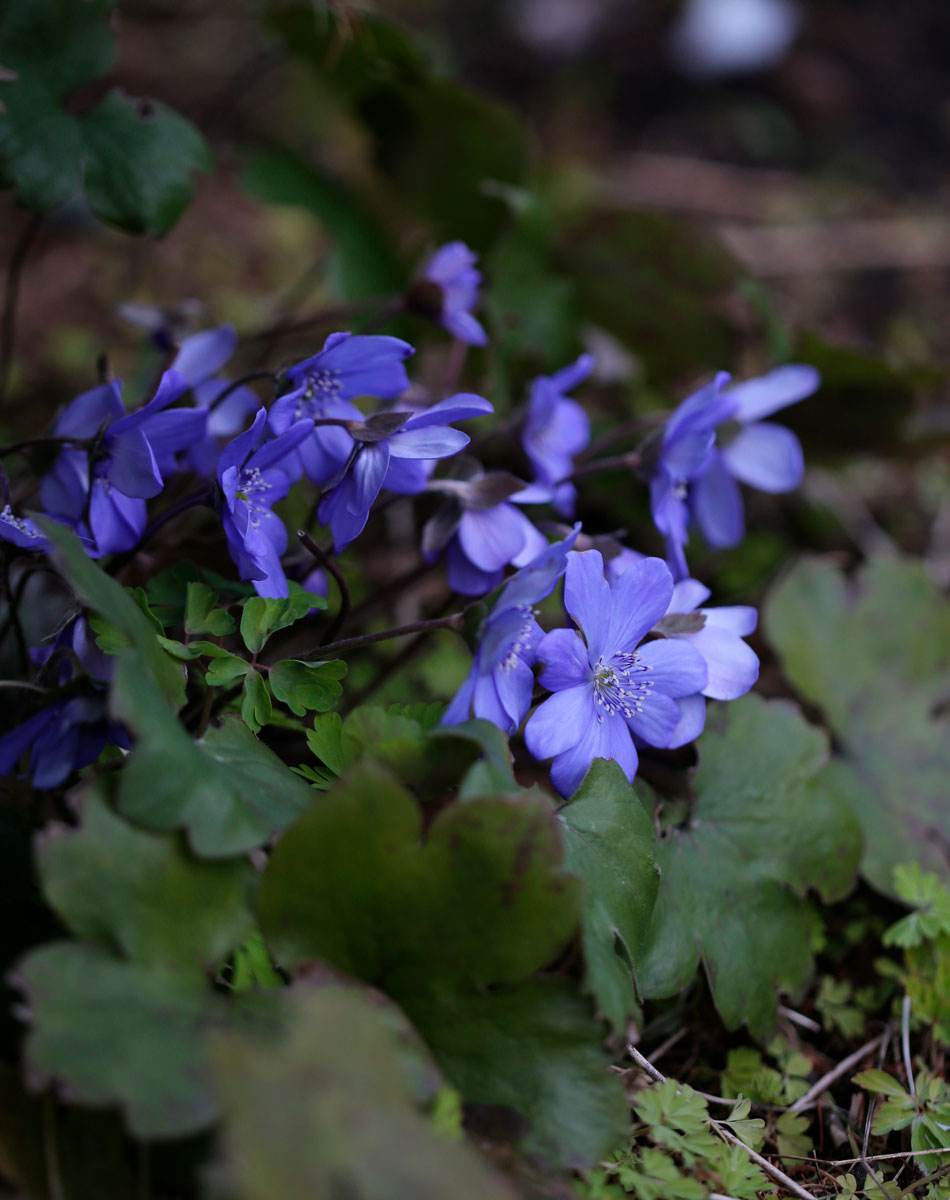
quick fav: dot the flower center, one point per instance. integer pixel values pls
(9, 517)
(619, 686)
(253, 485)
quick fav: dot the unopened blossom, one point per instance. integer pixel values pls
(609, 684)
(556, 429)
(448, 292)
(324, 385)
(500, 683)
(252, 480)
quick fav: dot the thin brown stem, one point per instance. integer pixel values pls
(11, 296)
(326, 562)
(368, 639)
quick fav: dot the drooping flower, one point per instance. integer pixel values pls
(199, 360)
(500, 683)
(717, 633)
(252, 480)
(323, 386)
(716, 437)
(608, 685)
(481, 531)
(448, 292)
(753, 451)
(73, 731)
(684, 451)
(556, 429)
(109, 482)
(389, 445)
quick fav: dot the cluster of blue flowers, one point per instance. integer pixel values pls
(643, 654)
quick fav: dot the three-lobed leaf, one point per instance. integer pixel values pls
(306, 686)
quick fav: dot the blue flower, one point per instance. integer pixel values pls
(101, 491)
(73, 731)
(324, 385)
(608, 686)
(500, 683)
(481, 531)
(21, 531)
(251, 482)
(556, 429)
(732, 666)
(456, 282)
(199, 360)
(390, 450)
(694, 478)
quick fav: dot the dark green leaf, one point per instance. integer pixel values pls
(361, 1132)
(873, 653)
(610, 842)
(133, 158)
(226, 668)
(256, 708)
(201, 616)
(261, 617)
(483, 903)
(304, 686)
(160, 906)
(768, 822)
(228, 791)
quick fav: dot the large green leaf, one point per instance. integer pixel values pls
(768, 823)
(874, 654)
(229, 792)
(133, 158)
(360, 1133)
(482, 904)
(117, 1033)
(610, 842)
(142, 894)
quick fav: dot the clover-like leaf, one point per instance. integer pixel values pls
(874, 654)
(160, 906)
(453, 929)
(263, 616)
(610, 842)
(768, 823)
(201, 615)
(134, 159)
(229, 792)
(256, 707)
(304, 686)
(361, 1130)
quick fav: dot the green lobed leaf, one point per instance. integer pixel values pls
(134, 159)
(482, 903)
(768, 822)
(307, 686)
(609, 841)
(873, 653)
(256, 708)
(361, 1132)
(160, 907)
(263, 616)
(201, 615)
(229, 792)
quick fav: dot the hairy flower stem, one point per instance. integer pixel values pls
(252, 377)
(367, 639)
(29, 443)
(326, 562)
(630, 460)
(205, 496)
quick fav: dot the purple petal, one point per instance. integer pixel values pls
(740, 619)
(460, 707)
(515, 687)
(716, 503)
(272, 452)
(756, 398)
(587, 598)
(324, 453)
(491, 537)
(84, 416)
(688, 594)
(637, 601)
(463, 326)
(170, 387)
(676, 559)
(448, 261)
(609, 740)
(407, 476)
(535, 542)
(535, 582)
(677, 667)
(232, 414)
(732, 665)
(658, 720)
(433, 441)
(766, 456)
(132, 467)
(64, 490)
(686, 456)
(561, 722)
(703, 410)
(369, 365)
(174, 432)
(117, 521)
(236, 453)
(204, 354)
(487, 704)
(14, 743)
(691, 723)
(565, 660)
(570, 376)
(464, 577)
(462, 407)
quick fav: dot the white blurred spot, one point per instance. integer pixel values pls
(725, 37)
